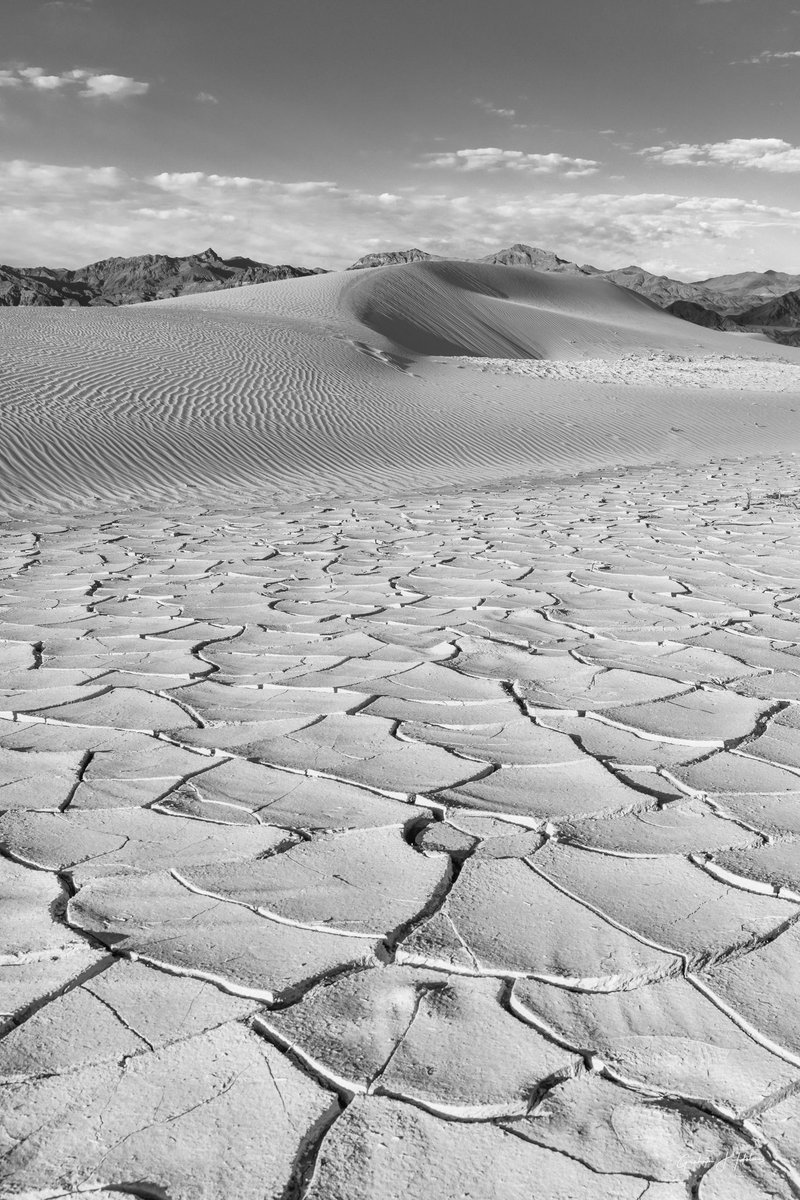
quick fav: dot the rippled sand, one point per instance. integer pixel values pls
(304, 388)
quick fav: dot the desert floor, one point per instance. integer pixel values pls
(399, 747)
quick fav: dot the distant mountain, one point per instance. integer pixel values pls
(520, 255)
(659, 288)
(390, 258)
(702, 302)
(783, 312)
(115, 281)
(750, 286)
(688, 310)
(766, 302)
(724, 294)
(784, 337)
(40, 286)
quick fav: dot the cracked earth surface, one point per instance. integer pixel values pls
(440, 846)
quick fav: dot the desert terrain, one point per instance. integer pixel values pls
(399, 745)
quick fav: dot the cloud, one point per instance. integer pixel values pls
(493, 110)
(18, 175)
(758, 154)
(90, 84)
(114, 87)
(182, 181)
(766, 56)
(206, 98)
(37, 79)
(492, 158)
(59, 214)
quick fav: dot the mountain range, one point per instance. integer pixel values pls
(763, 301)
(114, 281)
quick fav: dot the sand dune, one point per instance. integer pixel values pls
(509, 312)
(459, 308)
(347, 384)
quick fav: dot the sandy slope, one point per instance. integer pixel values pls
(457, 308)
(344, 384)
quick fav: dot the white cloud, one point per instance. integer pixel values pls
(493, 111)
(37, 79)
(206, 98)
(114, 87)
(20, 174)
(46, 83)
(164, 214)
(76, 214)
(175, 181)
(90, 84)
(492, 158)
(759, 154)
(766, 56)
(187, 181)
(308, 187)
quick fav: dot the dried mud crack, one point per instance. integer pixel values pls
(374, 849)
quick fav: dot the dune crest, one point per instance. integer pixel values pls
(509, 312)
(354, 383)
(481, 309)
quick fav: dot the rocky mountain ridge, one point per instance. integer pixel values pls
(759, 301)
(762, 301)
(114, 281)
(726, 295)
(391, 258)
(520, 255)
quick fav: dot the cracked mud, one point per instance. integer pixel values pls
(367, 850)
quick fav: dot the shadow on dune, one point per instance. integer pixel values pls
(481, 310)
(440, 309)
(310, 387)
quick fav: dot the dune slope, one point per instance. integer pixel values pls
(509, 312)
(462, 309)
(347, 384)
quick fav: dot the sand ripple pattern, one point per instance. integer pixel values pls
(321, 387)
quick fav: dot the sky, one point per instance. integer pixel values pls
(658, 132)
